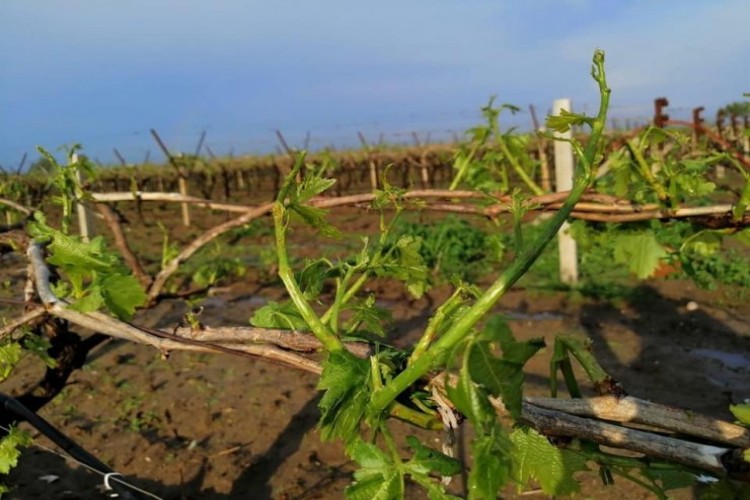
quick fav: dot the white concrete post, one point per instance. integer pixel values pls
(564, 164)
(84, 215)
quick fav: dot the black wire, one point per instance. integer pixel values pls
(68, 445)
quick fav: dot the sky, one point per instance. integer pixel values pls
(102, 73)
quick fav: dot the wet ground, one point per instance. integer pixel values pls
(203, 426)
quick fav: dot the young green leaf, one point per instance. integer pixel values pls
(312, 186)
(503, 377)
(368, 317)
(315, 218)
(89, 300)
(382, 475)
(97, 276)
(496, 329)
(10, 355)
(535, 458)
(565, 120)
(640, 252)
(670, 479)
(725, 489)
(405, 264)
(122, 294)
(312, 278)
(380, 484)
(490, 446)
(426, 460)
(10, 448)
(703, 243)
(283, 315)
(490, 470)
(39, 346)
(346, 382)
(70, 252)
(741, 413)
(469, 400)
(743, 236)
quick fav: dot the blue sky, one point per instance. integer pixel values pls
(103, 72)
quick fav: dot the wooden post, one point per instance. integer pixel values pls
(181, 175)
(182, 182)
(121, 158)
(564, 165)
(544, 179)
(84, 216)
(370, 161)
(425, 175)
(720, 115)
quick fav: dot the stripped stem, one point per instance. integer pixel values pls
(585, 176)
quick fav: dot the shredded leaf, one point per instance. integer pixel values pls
(346, 383)
(640, 252)
(10, 448)
(535, 458)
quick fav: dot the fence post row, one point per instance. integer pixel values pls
(564, 182)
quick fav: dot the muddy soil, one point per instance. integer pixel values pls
(200, 426)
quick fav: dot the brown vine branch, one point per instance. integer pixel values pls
(701, 456)
(165, 342)
(593, 206)
(169, 197)
(16, 206)
(26, 318)
(122, 244)
(629, 409)
(286, 339)
(562, 418)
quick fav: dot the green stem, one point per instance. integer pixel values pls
(518, 168)
(326, 337)
(465, 167)
(444, 311)
(590, 365)
(645, 170)
(331, 316)
(343, 294)
(463, 325)
(415, 417)
(566, 367)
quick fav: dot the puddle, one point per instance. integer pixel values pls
(510, 315)
(540, 316)
(252, 301)
(731, 360)
(219, 303)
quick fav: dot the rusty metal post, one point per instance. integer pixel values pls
(660, 118)
(697, 124)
